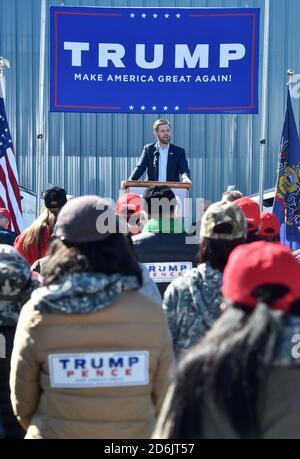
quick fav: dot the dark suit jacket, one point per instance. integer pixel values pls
(163, 248)
(177, 164)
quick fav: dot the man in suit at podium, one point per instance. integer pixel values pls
(163, 161)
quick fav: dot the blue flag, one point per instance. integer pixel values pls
(287, 193)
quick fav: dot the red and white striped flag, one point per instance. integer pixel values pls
(9, 181)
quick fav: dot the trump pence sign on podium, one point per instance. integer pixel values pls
(154, 60)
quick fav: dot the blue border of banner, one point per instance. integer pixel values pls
(58, 105)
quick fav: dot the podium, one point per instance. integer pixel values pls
(181, 191)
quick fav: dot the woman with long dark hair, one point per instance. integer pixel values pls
(242, 380)
(91, 355)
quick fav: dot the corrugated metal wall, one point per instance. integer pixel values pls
(92, 153)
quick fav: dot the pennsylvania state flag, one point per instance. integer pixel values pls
(287, 193)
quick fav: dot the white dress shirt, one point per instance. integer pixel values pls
(163, 162)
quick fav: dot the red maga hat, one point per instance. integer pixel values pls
(269, 224)
(251, 211)
(129, 204)
(254, 265)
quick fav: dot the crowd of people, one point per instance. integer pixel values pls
(116, 327)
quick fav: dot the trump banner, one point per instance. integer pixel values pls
(154, 60)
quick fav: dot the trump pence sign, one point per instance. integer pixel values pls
(154, 60)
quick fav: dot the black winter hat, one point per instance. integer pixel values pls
(55, 198)
(82, 221)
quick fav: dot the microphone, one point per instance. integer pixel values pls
(156, 162)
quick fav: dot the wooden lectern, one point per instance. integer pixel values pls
(181, 191)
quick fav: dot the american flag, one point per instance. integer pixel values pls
(9, 182)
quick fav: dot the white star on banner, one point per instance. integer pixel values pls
(143, 107)
(155, 16)
(132, 15)
(165, 108)
(167, 15)
(144, 15)
(178, 15)
(176, 108)
(154, 107)
(131, 107)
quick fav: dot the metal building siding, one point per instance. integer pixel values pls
(92, 153)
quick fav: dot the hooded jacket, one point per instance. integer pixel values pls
(16, 285)
(149, 288)
(91, 359)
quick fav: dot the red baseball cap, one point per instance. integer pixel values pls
(253, 265)
(251, 211)
(269, 224)
(129, 204)
(5, 213)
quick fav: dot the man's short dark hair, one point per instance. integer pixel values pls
(159, 200)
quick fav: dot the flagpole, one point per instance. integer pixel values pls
(4, 63)
(291, 75)
(40, 124)
(10, 189)
(264, 110)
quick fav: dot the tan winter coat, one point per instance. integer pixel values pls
(132, 323)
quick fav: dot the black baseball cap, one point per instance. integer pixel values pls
(55, 197)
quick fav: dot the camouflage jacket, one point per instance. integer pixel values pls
(192, 304)
(16, 285)
(81, 293)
